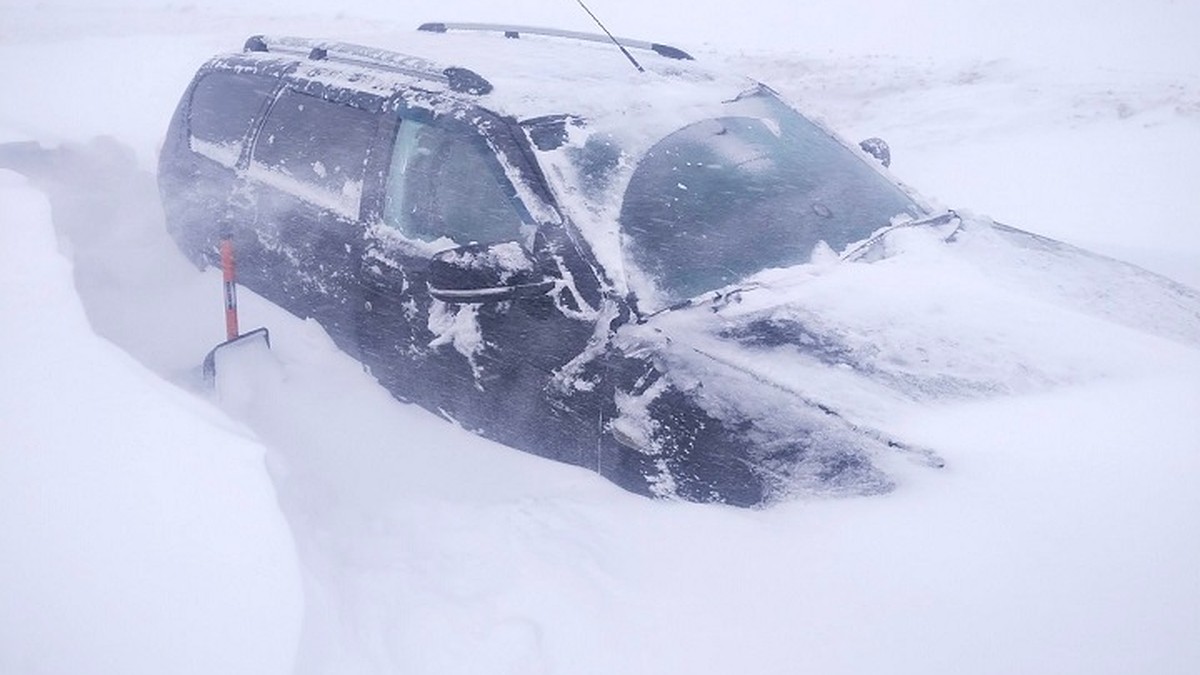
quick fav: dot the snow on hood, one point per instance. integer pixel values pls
(971, 309)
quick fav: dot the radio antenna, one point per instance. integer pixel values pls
(610, 37)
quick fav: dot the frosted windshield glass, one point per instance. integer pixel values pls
(723, 198)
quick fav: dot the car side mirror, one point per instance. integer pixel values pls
(479, 273)
(877, 148)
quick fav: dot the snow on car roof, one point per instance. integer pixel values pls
(533, 76)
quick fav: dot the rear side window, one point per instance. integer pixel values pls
(315, 149)
(223, 109)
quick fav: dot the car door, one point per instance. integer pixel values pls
(306, 174)
(486, 365)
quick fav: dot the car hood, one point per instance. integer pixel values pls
(964, 308)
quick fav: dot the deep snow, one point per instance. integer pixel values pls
(140, 532)
(141, 529)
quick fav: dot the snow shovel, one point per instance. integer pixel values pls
(235, 341)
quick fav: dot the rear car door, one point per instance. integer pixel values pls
(306, 172)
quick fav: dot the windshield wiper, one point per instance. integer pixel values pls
(944, 218)
(723, 296)
(717, 299)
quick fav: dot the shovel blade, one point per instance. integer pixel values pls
(234, 350)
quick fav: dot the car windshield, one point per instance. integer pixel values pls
(721, 199)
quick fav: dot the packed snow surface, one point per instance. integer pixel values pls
(302, 520)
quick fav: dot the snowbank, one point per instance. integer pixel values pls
(139, 531)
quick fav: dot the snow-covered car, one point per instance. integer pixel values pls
(637, 265)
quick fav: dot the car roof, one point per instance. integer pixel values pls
(534, 76)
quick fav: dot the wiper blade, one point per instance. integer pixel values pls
(723, 296)
(858, 251)
(717, 299)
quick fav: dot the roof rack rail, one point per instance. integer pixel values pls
(516, 31)
(457, 79)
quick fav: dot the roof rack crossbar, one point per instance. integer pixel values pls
(516, 31)
(457, 79)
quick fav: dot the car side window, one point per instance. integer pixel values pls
(315, 149)
(222, 110)
(445, 183)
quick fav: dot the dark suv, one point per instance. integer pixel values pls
(525, 252)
